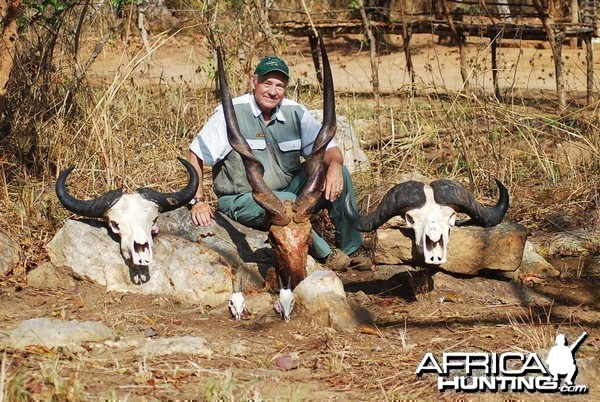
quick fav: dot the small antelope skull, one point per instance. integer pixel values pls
(237, 303)
(430, 211)
(131, 216)
(285, 304)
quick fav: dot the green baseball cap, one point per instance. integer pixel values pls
(272, 63)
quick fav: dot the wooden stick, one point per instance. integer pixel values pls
(461, 47)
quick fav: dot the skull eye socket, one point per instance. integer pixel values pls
(114, 226)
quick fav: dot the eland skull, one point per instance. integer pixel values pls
(430, 211)
(131, 216)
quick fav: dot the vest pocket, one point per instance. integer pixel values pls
(289, 157)
(259, 145)
(292, 145)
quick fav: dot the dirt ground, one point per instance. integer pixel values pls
(524, 66)
(376, 363)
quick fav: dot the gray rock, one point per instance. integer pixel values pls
(236, 243)
(246, 249)
(51, 333)
(322, 299)
(471, 249)
(185, 270)
(355, 158)
(9, 254)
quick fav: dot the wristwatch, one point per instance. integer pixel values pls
(196, 200)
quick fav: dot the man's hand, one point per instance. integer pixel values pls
(334, 181)
(202, 214)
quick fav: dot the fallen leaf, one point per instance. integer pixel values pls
(369, 331)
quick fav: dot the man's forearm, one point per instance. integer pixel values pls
(333, 155)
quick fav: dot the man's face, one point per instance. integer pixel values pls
(269, 89)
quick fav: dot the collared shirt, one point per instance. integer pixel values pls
(278, 144)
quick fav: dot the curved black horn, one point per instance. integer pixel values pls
(170, 201)
(453, 194)
(312, 192)
(95, 208)
(261, 193)
(400, 198)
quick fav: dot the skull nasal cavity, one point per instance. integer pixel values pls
(140, 246)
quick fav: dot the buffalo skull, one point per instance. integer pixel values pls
(430, 210)
(288, 222)
(131, 216)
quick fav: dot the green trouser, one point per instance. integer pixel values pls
(244, 209)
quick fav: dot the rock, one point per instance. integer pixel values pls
(151, 347)
(576, 242)
(260, 303)
(471, 249)
(188, 345)
(450, 289)
(588, 372)
(9, 254)
(321, 297)
(236, 243)
(47, 276)
(244, 248)
(322, 281)
(51, 333)
(188, 271)
(535, 264)
(355, 159)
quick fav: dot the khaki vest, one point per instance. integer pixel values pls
(276, 145)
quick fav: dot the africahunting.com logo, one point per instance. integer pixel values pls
(510, 371)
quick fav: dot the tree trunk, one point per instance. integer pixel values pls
(555, 40)
(9, 10)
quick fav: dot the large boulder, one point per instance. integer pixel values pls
(247, 250)
(355, 159)
(471, 249)
(187, 270)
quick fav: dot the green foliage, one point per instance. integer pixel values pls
(121, 3)
(354, 5)
(49, 12)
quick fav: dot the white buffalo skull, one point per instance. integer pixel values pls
(130, 216)
(430, 210)
(431, 223)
